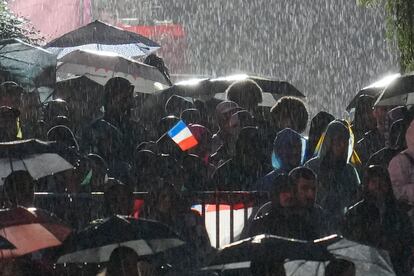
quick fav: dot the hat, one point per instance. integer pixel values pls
(226, 106)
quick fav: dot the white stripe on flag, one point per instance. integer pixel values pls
(182, 135)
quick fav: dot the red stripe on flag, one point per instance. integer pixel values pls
(188, 143)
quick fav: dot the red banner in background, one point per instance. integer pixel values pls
(53, 17)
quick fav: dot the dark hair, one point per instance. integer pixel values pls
(55, 108)
(177, 104)
(9, 186)
(337, 267)
(244, 92)
(382, 173)
(301, 172)
(117, 257)
(292, 108)
(317, 127)
(63, 134)
(116, 84)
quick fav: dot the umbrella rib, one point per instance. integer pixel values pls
(18, 60)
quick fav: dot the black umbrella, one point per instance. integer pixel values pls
(239, 255)
(399, 92)
(206, 89)
(102, 36)
(373, 90)
(28, 65)
(36, 157)
(96, 243)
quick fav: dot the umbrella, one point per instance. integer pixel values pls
(30, 66)
(214, 88)
(101, 66)
(399, 92)
(239, 255)
(368, 260)
(29, 230)
(102, 36)
(34, 156)
(96, 243)
(373, 90)
(5, 244)
(272, 89)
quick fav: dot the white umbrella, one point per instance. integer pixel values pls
(368, 260)
(102, 66)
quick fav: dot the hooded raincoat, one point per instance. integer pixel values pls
(285, 140)
(338, 181)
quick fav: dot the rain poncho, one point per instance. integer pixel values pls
(338, 181)
(285, 140)
(401, 169)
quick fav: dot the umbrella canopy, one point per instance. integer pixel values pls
(96, 243)
(368, 260)
(214, 88)
(30, 230)
(30, 66)
(36, 157)
(399, 92)
(239, 255)
(102, 36)
(101, 66)
(373, 90)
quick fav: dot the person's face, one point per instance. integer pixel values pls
(380, 113)
(339, 147)
(306, 192)
(286, 199)
(291, 156)
(377, 187)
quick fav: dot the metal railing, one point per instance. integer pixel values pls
(91, 206)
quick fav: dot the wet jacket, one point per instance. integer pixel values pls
(372, 142)
(303, 224)
(337, 183)
(401, 169)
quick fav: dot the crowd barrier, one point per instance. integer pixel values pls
(225, 213)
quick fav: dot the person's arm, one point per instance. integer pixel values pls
(399, 175)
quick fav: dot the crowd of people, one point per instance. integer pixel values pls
(354, 178)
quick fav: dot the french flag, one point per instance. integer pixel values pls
(182, 136)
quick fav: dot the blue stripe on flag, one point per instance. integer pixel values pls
(177, 129)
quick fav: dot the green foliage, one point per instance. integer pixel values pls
(400, 26)
(12, 26)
